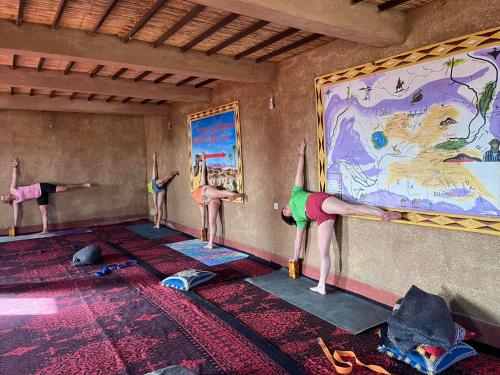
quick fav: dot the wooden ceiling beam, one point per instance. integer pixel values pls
(118, 73)
(68, 67)
(364, 24)
(391, 4)
(181, 23)
(212, 30)
(59, 13)
(96, 70)
(145, 101)
(52, 93)
(160, 102)
(73, 95)
(32, 40)
(62, 104)
(289, 47)
(14, 62)
(144, 19)
(205, 82)
(128, 98)
(91, 97)
(104, 15)
(39, 67)
(186, 80)
(111, 98)
(142, 75)
(249, 30)
(81, 82)
(20, 12)
(267, 42)
(162, 78)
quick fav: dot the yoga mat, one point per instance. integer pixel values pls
(211, 257)
(147, 231)
(37, 236)
(344, 310)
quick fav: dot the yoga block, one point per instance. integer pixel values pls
(12, 231)
(203, 235)
(294, 269)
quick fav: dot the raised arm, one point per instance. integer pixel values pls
(196, 169)
(204, 172)
(299, 177)
(298, 243)
(13, 183)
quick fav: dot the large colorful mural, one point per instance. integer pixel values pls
(215, 133)
(420, 137)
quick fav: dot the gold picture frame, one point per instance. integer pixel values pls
(470, 42)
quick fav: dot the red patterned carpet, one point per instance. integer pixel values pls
(63, 320)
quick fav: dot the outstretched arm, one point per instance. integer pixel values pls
(298, 243)
(13, 183)
(299, 177)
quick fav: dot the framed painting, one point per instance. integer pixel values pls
(216, 134)
(418, 132)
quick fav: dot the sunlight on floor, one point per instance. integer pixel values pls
(28, 306)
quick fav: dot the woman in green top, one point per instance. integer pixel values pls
(323, 208)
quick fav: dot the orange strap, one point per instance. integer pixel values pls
(337, 356)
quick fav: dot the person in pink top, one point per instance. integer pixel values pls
(39, 191)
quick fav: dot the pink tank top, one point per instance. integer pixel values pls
(23, 193)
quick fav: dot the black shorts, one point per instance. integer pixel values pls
(46, 189)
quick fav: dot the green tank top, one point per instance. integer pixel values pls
(297, 205)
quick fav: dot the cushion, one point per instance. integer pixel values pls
(88, 255)
(422, 362)
(187, 279)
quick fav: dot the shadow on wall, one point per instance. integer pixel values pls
(461, 305)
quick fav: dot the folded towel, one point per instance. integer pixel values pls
(422, 319)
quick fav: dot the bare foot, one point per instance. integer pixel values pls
(319, 290)
(157, 226)
(391, 215)
(209, 246)
(87, 185)
(44, 232)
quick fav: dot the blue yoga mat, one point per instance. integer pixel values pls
(147, 231)
(37, 236)
(211, 257)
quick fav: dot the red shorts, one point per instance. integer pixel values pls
(314, 210)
